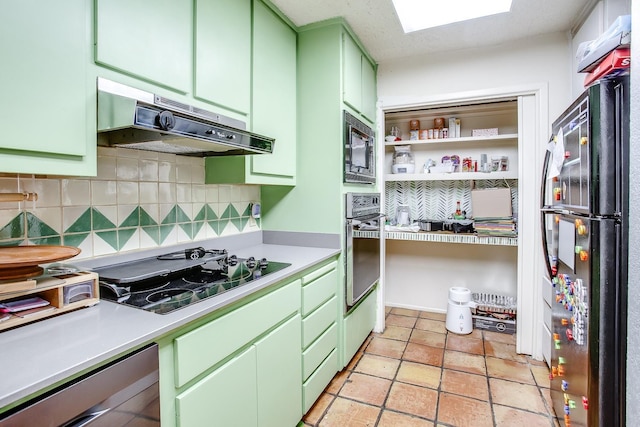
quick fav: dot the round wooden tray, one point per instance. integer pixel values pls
(21, 262)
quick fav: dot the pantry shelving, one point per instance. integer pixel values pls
(452, 141)
(451, 176)
(502, 143)
(470, 239)
(420, 267)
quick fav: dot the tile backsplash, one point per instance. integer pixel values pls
(138, 200)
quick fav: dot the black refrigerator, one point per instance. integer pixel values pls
(585, 239)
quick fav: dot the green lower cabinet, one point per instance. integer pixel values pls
(358, 325)
(319, 331)
(256, 388)
(241, 367)
(225, 398)
(278, 385)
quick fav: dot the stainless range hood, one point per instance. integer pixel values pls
(132, 118)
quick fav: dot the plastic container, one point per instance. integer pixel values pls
(403, 161)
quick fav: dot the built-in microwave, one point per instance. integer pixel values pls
(359, 152)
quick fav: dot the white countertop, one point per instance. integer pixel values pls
(38, 355)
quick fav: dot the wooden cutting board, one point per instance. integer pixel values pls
(21, 262)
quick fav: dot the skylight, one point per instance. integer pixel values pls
(417, 15)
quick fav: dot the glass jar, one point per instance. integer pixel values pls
(403, 161)
(403, 215)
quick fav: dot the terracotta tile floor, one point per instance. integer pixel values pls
(418, 374)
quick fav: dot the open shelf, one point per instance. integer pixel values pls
(454, 141)
(511, 174)
(469, 239)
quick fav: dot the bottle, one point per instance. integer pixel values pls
(459, 214)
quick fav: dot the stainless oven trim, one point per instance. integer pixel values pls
(366, 176)
(349, 224)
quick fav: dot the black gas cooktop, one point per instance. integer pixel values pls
(168, 282)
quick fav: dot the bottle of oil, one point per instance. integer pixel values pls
(458, 213)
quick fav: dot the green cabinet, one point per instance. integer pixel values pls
(358, 324)
(242, 366)
(258, 387)
(359, 79)
(224, 397)
(223, 53)
(273, 106)
(279, 376)
(48, 112)
(149, 39)
(319, 331)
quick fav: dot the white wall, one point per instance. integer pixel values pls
(544, 59)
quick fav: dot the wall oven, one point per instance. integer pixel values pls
(362, 258)
(359, 152)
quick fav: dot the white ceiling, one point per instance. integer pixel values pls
(376, 24)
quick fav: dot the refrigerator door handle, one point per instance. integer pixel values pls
(556, 210)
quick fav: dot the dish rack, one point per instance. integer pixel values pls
(497, 306)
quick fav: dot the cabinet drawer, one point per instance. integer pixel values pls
(313, 387)
(319, 350)
(198, 350)
(318, 321)
(316, 292)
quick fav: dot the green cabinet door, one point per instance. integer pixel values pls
(223, 53)
(150, 39)
(274, 93)
(273, 107)
(369, 92)
(227, 397)
(351, 73)
(359, 79)
(45, 104)
(279, 358)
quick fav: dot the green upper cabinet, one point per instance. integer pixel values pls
(274, 93)
(48, 113)
(149, 39)
(359, 79)
(273, 106)
(223, 53)
(352, 72)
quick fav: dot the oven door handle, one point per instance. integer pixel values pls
(86, 418)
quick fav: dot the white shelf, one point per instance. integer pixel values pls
(453, 141)
(469, 239)
(455, 176)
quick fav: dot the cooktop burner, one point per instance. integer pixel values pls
(172, 281)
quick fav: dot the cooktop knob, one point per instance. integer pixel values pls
(264, 263)
(232, 260)
(250, 262)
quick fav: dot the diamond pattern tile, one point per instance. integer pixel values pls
(127, 208)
